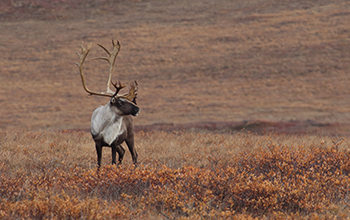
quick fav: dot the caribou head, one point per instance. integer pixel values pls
(112, 124)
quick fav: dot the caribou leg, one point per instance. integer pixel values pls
(121, 153)
(117, 148)
(114, 151)
(130, 143)
(99, 154)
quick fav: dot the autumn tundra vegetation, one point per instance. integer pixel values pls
(245, 109)
(181, 175)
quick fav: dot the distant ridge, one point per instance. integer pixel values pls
(258, 126)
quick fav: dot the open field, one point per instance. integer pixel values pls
(206, 69)
(181, 175)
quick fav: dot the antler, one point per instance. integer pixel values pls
(117, 87)
(132, 95)
(111, 60)
(84, 52)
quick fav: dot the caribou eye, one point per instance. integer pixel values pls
(112, 100)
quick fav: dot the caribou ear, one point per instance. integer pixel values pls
(112, 100)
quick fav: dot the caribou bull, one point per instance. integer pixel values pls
(112, 124)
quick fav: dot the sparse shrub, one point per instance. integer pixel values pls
(241, 176)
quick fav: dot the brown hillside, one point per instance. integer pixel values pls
(195, 61)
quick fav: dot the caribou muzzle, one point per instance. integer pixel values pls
(136, 111)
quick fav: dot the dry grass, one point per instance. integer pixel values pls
(180, 176)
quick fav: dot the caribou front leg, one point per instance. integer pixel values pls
(99, 154)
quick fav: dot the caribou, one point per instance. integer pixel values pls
(112, 124)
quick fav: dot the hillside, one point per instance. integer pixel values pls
(203, 61)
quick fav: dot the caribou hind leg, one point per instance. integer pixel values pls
(130, 142)
(121, 152)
